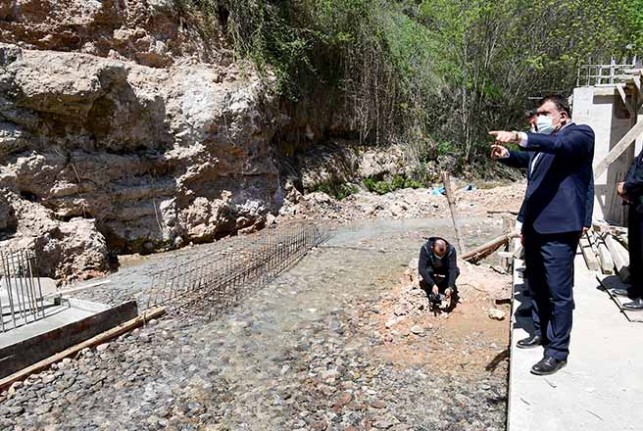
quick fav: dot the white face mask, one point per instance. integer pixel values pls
(544, 124)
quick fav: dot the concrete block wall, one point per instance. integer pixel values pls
(608, 116)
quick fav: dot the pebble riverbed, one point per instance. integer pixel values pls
(299, 354)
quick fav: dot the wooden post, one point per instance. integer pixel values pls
(486, 249)
(454, 214)
(508, 225)
(620, 256)
(618, 149)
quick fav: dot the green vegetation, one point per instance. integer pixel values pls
(446, 71)
(339, 191)
(382, 187)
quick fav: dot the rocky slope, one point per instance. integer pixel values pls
(115, 131)
(125, 127)
(122, 129)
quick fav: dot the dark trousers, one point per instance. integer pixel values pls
(635, 246)
(440, 280)
(550, 274)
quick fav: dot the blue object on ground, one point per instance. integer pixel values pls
(437, 191)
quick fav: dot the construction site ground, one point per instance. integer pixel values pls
(343, 340)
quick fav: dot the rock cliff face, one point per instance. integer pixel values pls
(115, 136)
(124, 128)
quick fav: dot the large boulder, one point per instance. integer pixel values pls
(64, 249)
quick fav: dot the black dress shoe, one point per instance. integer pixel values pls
(547, 365)
(530, 342)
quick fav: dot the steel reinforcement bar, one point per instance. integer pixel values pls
(21, 300)
(215, 280)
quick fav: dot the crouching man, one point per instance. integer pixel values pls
(439, 270)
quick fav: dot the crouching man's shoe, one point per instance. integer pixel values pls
(635, 305)
(619, 292)
(547, 365)
(529, 342)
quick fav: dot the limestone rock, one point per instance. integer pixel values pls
(496, 314)
(146, 31)
(146, 155)
(8, 219)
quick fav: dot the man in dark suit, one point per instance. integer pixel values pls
(631, 190)
(438, 268)
(553, 214)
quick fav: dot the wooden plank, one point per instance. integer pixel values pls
(620, 256)
(486, 249)
(605, 259)
(600, 250)
(605, 91)
(588, 254)
(628, 106)
(94, 341)
(618, 149)
(593, 240)
(636, 80)
(452, 208)
(623, 240)
(513, 212)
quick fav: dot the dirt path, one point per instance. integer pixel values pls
(314, 350)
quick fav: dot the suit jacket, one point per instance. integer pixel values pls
(634, 182)
(560, 189)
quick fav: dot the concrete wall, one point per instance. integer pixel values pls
(609, 118)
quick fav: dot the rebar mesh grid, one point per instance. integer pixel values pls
(217, 279)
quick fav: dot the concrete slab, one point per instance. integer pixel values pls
(601, 388)
(26, 345)
(56, 313)
(55, 317)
